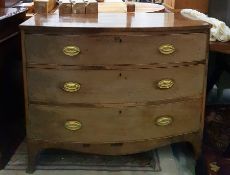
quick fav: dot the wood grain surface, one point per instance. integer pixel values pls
(111, 125)
(115, 49)
(118, 69)
(114, 86)
(115, 149)
(117, 22)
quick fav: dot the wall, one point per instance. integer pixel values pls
(220, 9)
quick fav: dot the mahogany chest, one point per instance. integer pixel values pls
(113, 83)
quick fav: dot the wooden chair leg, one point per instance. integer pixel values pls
(33, 154)
(196, 141)
(197, 148)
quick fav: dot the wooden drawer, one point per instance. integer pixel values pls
(114, 86)
(100, 125)
(99, 50)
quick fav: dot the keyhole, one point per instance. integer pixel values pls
(118, 39)
(86, 145)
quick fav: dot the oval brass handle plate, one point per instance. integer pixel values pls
(71, 87)
(71, 50)
(73, 125)
(165, 84)
(167, 49)
(164, 120)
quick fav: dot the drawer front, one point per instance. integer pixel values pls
(114, 86)
(108, 50)
(101, 125)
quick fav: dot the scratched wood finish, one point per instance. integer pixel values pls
(113, 22)
(119, 148)
(118, 93)
(113, 124)
(100, 86)
(112, 49)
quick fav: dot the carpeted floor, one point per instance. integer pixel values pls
(170, 160)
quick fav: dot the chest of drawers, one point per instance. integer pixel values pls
(113, 83)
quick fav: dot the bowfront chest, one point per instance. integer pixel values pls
(113, 84)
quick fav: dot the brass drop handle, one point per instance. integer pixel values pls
(71, 50)
(71, 87)
(164, 120)
(73, 125)
(165, 84)
(167, 49)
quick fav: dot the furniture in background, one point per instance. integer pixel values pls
(221, 71)
(216, 147)
(12, 128)
(219, 64)
(220, 47)
(90, 87)
(216, 151)
(177, 5)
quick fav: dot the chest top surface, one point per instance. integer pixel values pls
(114, 22)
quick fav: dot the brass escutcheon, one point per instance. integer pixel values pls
(214, 167)
(164, 120)
(165, 84)
(167, 49)
(73, 125)
(71, 87)
(71, 50)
